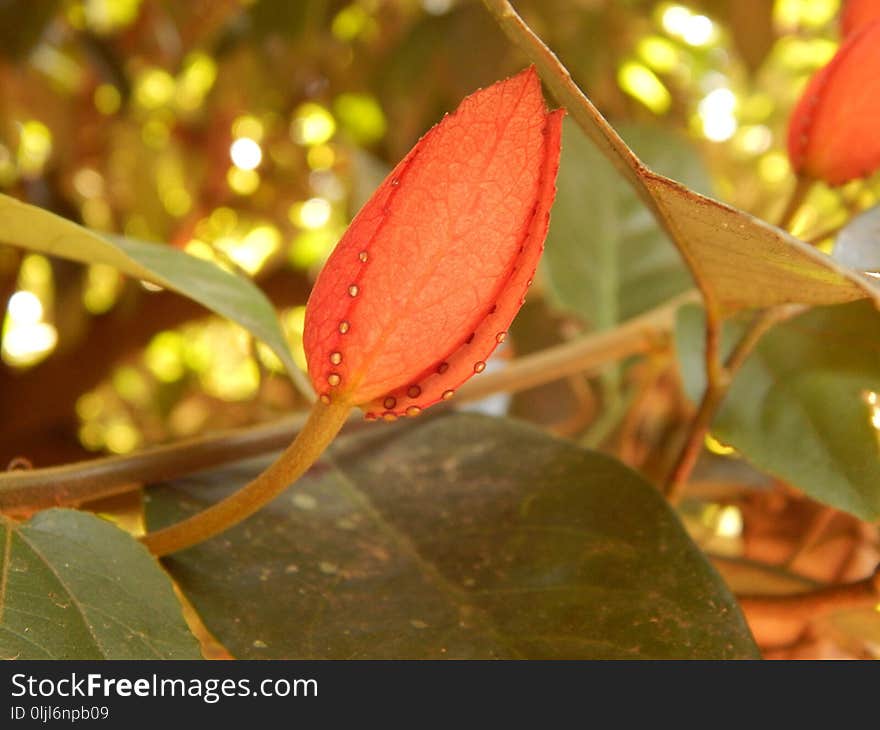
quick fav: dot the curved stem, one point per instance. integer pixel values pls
(72, 484)
(320, 429)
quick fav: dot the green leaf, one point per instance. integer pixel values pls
(234, 297)
(461, 536)
(74, 586)
(798, 408)
(607, 259)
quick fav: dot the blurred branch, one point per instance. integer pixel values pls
(75, 483)
(810, 605)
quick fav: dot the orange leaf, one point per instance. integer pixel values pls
(426, 280)
(858, 13)
(833, 131)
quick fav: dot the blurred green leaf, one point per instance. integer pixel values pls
(75, 586)
(606, 258)
(798, 408)
(461, 536)
(230, 296)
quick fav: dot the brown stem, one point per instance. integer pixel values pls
(72, 484)
(798, 196)
(812, 604)
(323, 423)
(718, 382)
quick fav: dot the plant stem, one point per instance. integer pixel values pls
(796, 200)
(809, 605)
(323, 423)
(718, 381)
(72, 484)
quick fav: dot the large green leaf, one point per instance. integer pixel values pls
(234, 297)
(798, 408)
(607, 259)
(459, 536)
(74, 586)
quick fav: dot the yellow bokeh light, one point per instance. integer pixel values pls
(195, 81)
(312, 247)
(361, 116)
(34, 147)
(177, 201)
(321, 157)
(89, 406)
(91, 435)
(313, 213)
(755, 139)
(25, 346)
(131, 385)
(121, 437)
(164, 356)
(312, 124)
(88, 182)
(105, 16)
(245, 153)
(243, 182)
(658, 53)
(640, 82)
(103, 284)
(729, 522)
(252, 251)
(107, 99)
(674, 19)
(716, 112)
(694, 29)
(236, 381)
(248, 126)
(350, 22)
(791, 14)
(773, 167)
(24, 308)
(154, 88)
(155, 133)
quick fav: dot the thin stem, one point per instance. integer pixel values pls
(817, 238)
(323, 423)
(798, 196)
(72, 484)
(810, 605)
(718, 382)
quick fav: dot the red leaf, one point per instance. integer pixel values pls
(425, 282)
(832, 135)
(858, 13)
